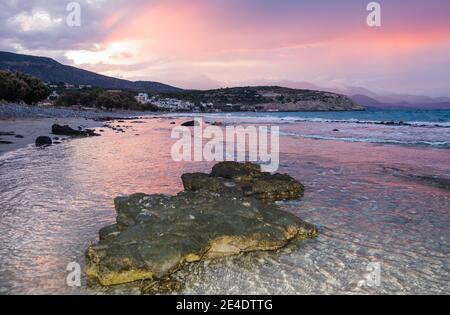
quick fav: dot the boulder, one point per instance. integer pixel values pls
(43, 141)
(155, 235)
(191, 123)
(245, 179)
(68, 131)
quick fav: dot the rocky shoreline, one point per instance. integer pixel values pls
(16, 111)
(23, 125)
(156, 235)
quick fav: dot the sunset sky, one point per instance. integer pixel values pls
(216, 43)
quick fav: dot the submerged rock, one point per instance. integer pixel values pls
(155, 235)
(244, 179)
(164, 286)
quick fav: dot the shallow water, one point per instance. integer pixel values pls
(366, 198)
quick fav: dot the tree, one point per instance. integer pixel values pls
(38, 89)
(119, 99)
(15, 87)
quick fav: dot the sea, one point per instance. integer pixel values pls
(377, 187)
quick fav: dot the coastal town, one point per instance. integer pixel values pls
(237, 99)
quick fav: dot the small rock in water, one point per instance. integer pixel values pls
(191, 123)
(43, 141)
(5, 142)
(19, 136)
(67, 131)
(8, 133)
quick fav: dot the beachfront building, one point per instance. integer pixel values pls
(142, 98)
(172, 104)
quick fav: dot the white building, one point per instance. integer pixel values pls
(53, 96)
(142, 98)
(172, 104)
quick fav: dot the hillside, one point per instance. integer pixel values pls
(48, 70)
(256, 98)
(269, 98)
(371, 103)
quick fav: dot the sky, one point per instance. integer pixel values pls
(216, 43)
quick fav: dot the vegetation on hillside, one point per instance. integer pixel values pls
(101, 98)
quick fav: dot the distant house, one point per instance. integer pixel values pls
(53, 97)
(142, 98)
(172, 104)
(84, 86)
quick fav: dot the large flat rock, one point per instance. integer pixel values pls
(155, 235)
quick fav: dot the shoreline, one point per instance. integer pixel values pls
(358, 205)
(20, 125)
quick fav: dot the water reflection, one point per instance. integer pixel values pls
(53, 202)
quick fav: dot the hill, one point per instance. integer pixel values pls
(48, 70)
(372, 103)
(268, 98)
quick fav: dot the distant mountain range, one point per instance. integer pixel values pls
(48, 70)
(369, 99)
(372, 103)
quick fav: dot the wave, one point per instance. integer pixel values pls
(248, 118)
(438, 144)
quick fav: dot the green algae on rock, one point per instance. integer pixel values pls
(156, 234)
(245, 179)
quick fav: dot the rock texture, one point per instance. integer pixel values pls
(155, 235)
(244, 179)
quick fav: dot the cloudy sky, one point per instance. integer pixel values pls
(214, 43)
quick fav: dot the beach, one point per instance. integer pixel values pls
(374, 202)
(21, 124)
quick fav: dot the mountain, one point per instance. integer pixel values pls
(366, 101)
(371, 99)
(372, 103)
(50, 70)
